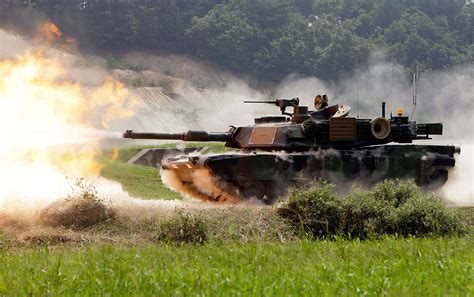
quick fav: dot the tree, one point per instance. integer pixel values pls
(268, 38)
(290, 52)
(342, 57)
(224, 36)
(416, 39)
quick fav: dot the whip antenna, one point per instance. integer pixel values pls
(358, 84)
(415, 89)
(391, 86)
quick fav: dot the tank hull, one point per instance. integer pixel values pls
(268, 175)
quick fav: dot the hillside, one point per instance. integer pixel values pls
(178, 93)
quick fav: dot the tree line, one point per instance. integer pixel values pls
(270, 39)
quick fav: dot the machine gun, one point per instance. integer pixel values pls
(282, 103)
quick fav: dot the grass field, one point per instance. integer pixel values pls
(249, 252)
(391, 266)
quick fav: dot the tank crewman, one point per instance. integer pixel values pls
(323, 110)
(320, 101)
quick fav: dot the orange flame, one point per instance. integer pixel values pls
(49, 31)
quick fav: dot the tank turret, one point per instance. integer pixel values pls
(301, 130)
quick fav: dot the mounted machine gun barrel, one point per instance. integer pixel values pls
(282, 103)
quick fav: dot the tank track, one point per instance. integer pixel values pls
(237, 177)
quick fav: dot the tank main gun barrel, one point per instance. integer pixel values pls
(191, 135)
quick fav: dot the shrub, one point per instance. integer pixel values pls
(315, 211)
(363, 215)
(396, 192)
(425, 214)
(390, 207)
(184, 227)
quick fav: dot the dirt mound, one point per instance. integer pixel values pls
(74, 212)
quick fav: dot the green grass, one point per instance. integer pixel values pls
(141, 181)
(391, 266)
(138, 181)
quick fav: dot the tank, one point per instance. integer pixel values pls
(281, 151)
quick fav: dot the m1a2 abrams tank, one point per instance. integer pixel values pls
(296, 148)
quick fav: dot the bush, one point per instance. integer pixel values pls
(390, 207)
(315, 211)
(183, 228)
(363, 215)
(428, 215)
(395, 192)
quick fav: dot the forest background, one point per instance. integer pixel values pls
(267, 39)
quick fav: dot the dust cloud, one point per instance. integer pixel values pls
(459, 190)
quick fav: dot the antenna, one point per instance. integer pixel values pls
(415, 87)
(391, 86)
(358, 83)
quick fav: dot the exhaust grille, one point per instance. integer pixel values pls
(342, 129)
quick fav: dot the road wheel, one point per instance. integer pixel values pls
(437, 179)
(255, 189)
